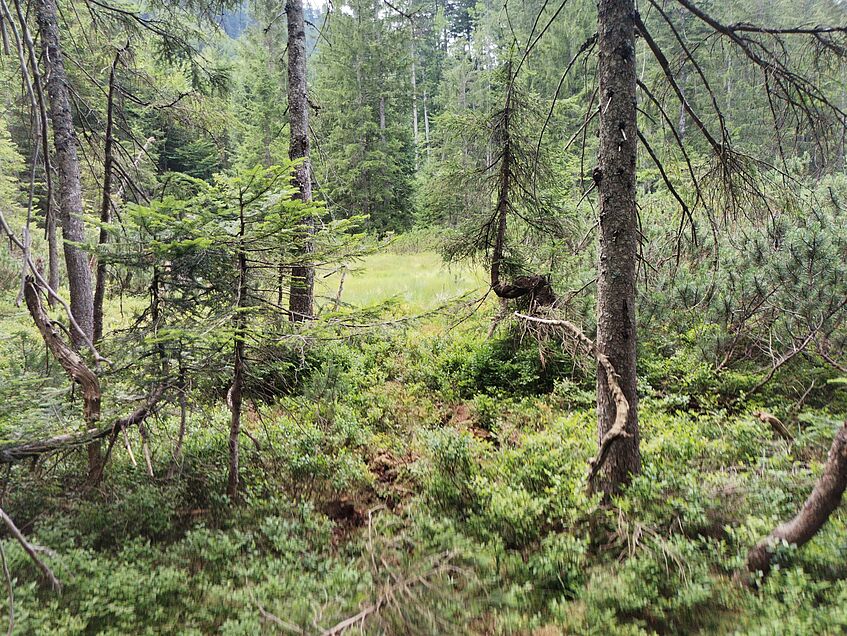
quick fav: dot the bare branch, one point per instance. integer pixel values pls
(618, 430)
(31, 550)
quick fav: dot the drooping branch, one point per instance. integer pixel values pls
(824, 499)
(664, 64)
(763, 56)
(618, 430)
(69, 359)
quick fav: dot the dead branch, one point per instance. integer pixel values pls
(618, 430)
(824, 499)
(31, 550)
(18, 452)
(390, 590)
(10, 588)
(70, 360)
(775, 423)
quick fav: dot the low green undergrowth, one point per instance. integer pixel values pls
(437, 484)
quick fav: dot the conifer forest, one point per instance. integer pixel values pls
(423, 317)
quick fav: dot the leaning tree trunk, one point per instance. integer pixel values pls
(67, 166)
(616, 277)
(823, 500)
(70, 191)
(302, 290)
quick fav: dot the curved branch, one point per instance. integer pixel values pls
(824, 499)
(618, 430)
(26, 450)
(30, 549)
(70, 360)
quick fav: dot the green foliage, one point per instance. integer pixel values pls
(369, 455)
(367, 146)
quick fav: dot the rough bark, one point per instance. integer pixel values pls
(615, 177)
(105, 206)
(823, 500)
(68, 168)
(74, 366)
(302, 287)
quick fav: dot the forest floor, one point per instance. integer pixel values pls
(431, 481)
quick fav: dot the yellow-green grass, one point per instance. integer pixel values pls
(419, 281)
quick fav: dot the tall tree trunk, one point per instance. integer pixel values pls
(52, 254)
(25, 38)
(302, 287)
(105, 204)
(615, 176)
(426, 123)
(414, 96)
(382, 118)
(683, 119)
(67, 165)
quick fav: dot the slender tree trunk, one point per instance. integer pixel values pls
(426, 123)
(37, 83)
(302, 286)
(105, 205)
(382, 118)
(235, 391)
(823, 500)
(67, 165)
(182, 387)
(52, 254)
(683, 119)
(414, 96)
(615, 176)
(504, 188)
